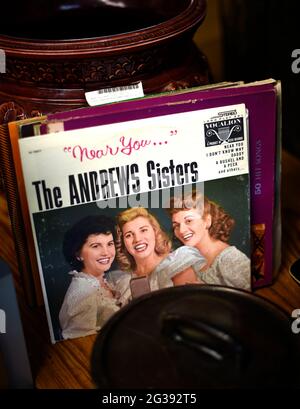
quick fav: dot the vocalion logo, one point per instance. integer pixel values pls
(2, 62)
(2, 322)
(296, 323)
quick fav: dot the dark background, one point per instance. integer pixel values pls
(259, 38)
(251, 40)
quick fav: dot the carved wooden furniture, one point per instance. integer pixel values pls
(57, 52)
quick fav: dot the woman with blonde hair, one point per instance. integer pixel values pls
(144, 250)
(204, 225)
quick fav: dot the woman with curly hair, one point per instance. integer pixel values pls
(89, 248)
(144, 249)
(203, 224)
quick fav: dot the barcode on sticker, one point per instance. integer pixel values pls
(116, 89)
(115, 94)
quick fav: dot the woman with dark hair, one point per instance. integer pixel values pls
(89, 248)
(203, 224)
(144, 250)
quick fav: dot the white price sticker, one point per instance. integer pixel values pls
(114, 94)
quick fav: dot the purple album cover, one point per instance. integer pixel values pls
(261, 101)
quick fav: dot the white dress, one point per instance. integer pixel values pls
(230, 268)
(86, 306)
(161, 277)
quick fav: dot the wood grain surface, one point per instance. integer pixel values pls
(67, 364)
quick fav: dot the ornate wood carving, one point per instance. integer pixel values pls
(11, 111)
(45, 76)
(85, 71)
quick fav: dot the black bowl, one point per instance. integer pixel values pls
(197, 337)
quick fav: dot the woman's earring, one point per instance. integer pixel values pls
(79, 258)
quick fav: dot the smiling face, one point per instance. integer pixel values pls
(139, 238)
(97, 253)
(189, 227)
